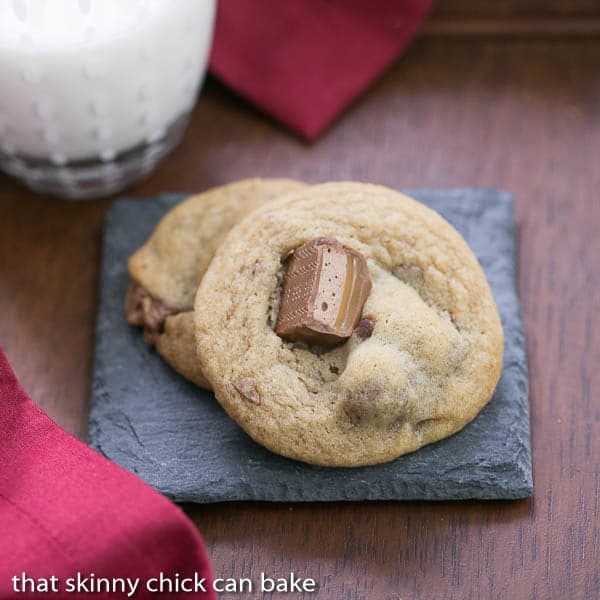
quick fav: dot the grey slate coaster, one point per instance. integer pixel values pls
(178, 439)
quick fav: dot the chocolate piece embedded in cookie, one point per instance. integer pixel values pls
(246, 387)
(324, 289)
(365, 328)
(143, 310)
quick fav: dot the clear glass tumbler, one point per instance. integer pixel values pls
(95, 92)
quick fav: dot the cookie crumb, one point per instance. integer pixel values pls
(247, 388)
(364, 329)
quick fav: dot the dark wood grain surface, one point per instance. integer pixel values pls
(522, 116)
(530, 27)
(540, 18)
(517, 8)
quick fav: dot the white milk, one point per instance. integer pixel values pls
(85, 79)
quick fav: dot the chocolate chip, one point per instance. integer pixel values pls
(364, 329)
(247, 388)
(143, 310)
(360, 406)
(133, 304)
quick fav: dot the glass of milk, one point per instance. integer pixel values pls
(93, 93)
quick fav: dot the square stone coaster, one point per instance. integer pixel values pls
(177, 438)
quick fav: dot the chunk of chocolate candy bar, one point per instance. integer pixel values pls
(323, 292)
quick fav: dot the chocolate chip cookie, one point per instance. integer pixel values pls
(423, 357)
(166, 270)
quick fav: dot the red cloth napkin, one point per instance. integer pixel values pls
(304, 61)
(65, 509)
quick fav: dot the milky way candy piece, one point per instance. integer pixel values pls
(324, 288)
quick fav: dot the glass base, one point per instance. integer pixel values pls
(85, 179)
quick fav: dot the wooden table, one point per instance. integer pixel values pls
(519, 115)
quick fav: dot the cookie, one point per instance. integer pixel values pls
(166, 271)
(422, 361)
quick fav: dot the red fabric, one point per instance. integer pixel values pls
(64, 508)
(304, 61)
